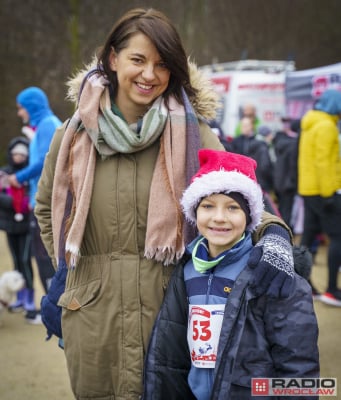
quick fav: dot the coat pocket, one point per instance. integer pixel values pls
(82, 285)
(80, 296)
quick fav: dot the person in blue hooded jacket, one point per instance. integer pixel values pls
(319, 183)
(34, 110)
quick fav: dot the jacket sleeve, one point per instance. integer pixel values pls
(209, 140)
(327, 139)
(168, 361)
(267, 220)
(6, 201)
(292, 332)
(42, 209)
(264, 166)
(44, 136)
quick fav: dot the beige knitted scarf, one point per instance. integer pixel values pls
(94, 128)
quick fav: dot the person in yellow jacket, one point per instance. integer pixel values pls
(319, 182)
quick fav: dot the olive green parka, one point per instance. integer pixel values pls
(113, 295)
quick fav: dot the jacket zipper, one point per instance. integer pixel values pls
(209, 283)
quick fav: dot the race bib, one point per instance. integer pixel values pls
(204, 326)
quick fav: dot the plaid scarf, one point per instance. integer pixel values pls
(176, 164)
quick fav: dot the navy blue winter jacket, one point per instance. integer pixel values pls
(260, 337)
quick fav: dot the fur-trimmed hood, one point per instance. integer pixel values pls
(205, 104)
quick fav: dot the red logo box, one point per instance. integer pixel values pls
(260, 386)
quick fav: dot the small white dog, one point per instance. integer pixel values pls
(10, 283)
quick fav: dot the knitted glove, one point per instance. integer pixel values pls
(51, 313)
(273, 264)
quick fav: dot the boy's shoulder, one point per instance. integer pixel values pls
(300, 298)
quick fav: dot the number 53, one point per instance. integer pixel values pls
(201, 330)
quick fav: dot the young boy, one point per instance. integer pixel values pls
(213, 334)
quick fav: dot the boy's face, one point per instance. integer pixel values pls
(221, 221)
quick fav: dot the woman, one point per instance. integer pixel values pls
(108, 201)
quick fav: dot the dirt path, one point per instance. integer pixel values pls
(33, 369)
(30, 367)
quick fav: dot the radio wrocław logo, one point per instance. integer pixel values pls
(294, 387)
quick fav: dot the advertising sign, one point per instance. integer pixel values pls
(261, 85)
(303, 88)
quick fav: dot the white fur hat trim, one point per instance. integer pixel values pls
(223, 182)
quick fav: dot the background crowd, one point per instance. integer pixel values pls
(299, 170)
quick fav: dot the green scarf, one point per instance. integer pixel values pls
(201, 265)
(116, 136)
(93, 128)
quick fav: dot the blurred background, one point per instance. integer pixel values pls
(43, 42)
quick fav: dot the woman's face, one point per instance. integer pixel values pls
(141, 74)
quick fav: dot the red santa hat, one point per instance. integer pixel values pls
(224, 172)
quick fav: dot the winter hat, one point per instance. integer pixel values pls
(224, 172)
(329, 102)
(243, 204)
(264, 130)
(20, 148)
